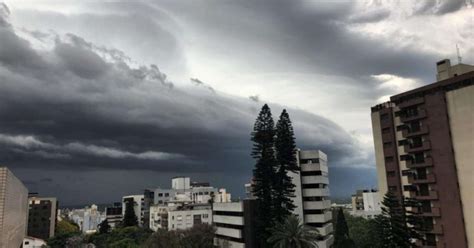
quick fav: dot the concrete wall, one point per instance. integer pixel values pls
(461, 117)
(379, 155)
(13, 209)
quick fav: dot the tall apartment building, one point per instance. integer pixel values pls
(235, 224)
(312, 201)
(366, 204)
(424, 150)
(42, 216)
(13, 209)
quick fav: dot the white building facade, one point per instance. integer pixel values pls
(313, 205)
(179, 217)
(87, 218)
(366, 204)
(138, 206)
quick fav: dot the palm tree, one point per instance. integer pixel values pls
(291, 233)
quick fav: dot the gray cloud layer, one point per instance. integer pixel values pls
(79, 107)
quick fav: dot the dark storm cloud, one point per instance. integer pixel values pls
(439, 7)
(81, 107)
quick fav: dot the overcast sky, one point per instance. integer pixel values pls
(99, 100)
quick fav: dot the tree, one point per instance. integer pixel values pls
(362, 232)
(292, 233)
(342, 238)
(104, 226)
(199, 236)
(129, 218)
(286, 157)
(414, 220)
(392, 225)
(65, 226)
(263, 137)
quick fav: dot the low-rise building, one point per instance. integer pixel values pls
(113, 214)
(13, 209)
(366, 204)
(138, 206)
(88, 218)
(32, 242)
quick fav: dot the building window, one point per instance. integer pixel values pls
(160, 194)
(389, 159)
(167, 194)
(387, 144)
(390, 173)
(386, 130)
(384, 116)
(392, 188)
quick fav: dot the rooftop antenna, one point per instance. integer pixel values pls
(459, 54)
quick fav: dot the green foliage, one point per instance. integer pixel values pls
(199, 236)
(342, 238)
(293, 233)
(66, 232)
(129, 218)
(392, 225)
(285, 148)
(104, 226)
(362, 232)
(66, 226)
(121, 237)
(263, 137)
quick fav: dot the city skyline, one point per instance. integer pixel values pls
(104, 100)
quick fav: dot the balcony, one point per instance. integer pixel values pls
(428, 162)
(435, 212)
(314, 179)
(411, 102)
(420, 114)
(325, 230)
(318, 218)
(315, 192)
(314, 167)
(422, 130)
(432, 195)
(426, 145)
(326, 204)
(414, 179)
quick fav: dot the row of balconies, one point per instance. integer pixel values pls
(326, 204)
(315, 192)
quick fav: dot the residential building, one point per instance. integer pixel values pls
(113, 214)
(42, 216)
(311, 199)
(366, 204)
(88, 218)
(13, 209)
(235, 223)
(138, 206)
(424, 150)
(31, 242)
(179, 216)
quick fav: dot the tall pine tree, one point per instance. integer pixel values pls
(263, 137)
(342, 238)
(129, 218)
(392, 224)
(286, 157)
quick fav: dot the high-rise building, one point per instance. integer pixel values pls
(113, 214)
(235, 224)
(13, 209)
(424, 150)
(311, 199)
(42, 216)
